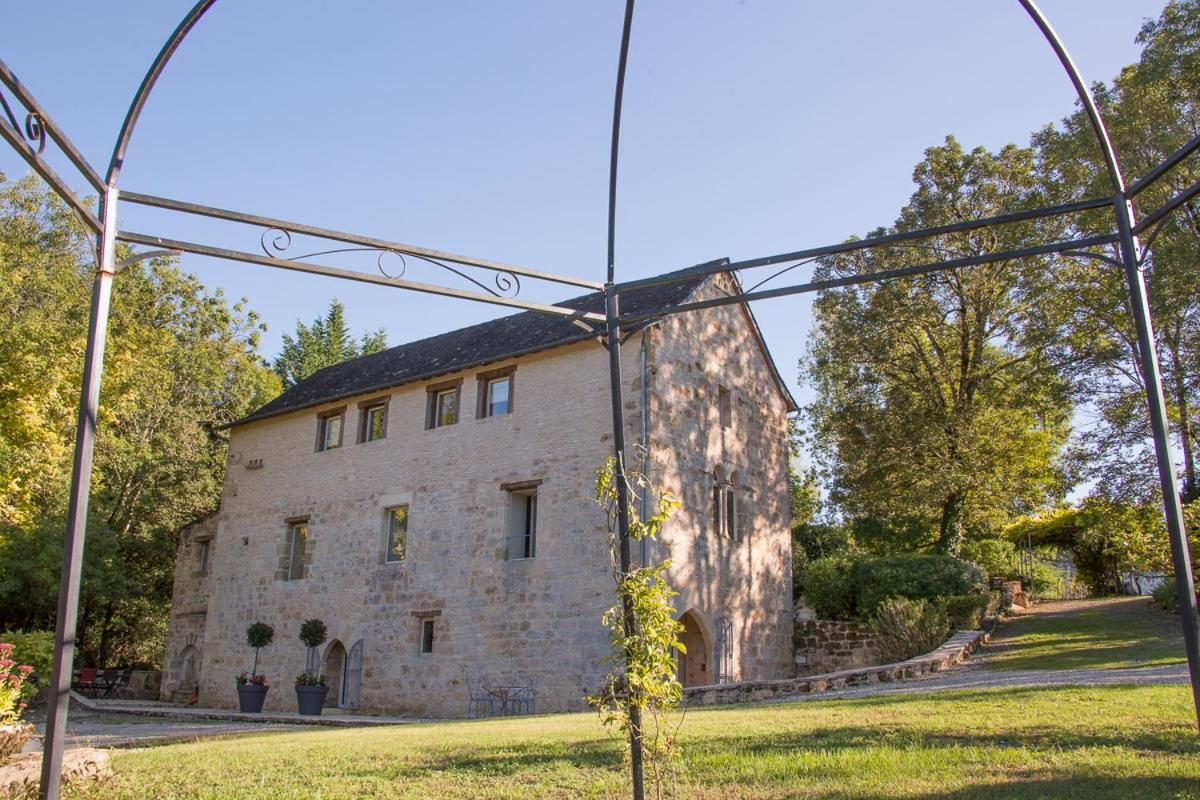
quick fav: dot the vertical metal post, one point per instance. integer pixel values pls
(618, 423)
(1139, 306)
(81, 480)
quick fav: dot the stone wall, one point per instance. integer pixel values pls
(183, 659)
(831, 646)
(534, 621)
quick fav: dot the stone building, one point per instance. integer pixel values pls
(431, 503)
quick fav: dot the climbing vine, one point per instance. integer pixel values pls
(642, 663)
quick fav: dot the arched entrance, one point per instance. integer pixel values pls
(333, 667)
(693, 665)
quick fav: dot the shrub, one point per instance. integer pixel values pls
(12, 679)
(965, 611)
(829, 587)
(1167, 596)
(998, 557)
(905, 628)
(313, 632)
(914, 576)
(35, 648)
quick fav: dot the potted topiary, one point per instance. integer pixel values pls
(252, 687)
(310, 684)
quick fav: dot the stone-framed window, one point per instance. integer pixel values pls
(395, 534)
(495, 392)
(203, 551)
(296, 552)
(372, 419)
(427, 631)
(725, 406)
(442, 406)
(521, 522)
(329, 429)
(725, 511)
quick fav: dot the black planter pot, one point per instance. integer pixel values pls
(251, 697)
(311, 699)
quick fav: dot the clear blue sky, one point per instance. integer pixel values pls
(483, 127)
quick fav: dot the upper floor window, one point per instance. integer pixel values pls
(329, 429)
(426, 636)
(725, 406)
(397, 533)
(495, 393)
(202, 561)
(522, 520)
(443, 405)
(725, 506)
(372, 422)
(295, 550)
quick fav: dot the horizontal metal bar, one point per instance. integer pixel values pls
(9, 79)
(1166, 208)
(853, 280)
(1166, 166)
(26, 151)
(350, 238)
(363, 277)
(879, 241)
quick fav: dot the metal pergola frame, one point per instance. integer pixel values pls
(30, 139)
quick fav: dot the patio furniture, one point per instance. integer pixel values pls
(85, 681)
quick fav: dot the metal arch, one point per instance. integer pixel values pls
(117, 162)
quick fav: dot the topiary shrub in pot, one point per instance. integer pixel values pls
(252, 687)
(310, 684)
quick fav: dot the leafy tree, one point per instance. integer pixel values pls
(1152, 108)
(324, 342)
(940, 398)
(180, 363)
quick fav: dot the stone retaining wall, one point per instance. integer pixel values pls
(953, 650)
(828, 646)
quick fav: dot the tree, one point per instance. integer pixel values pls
(324, 342)
(1152, 109)
(941, 398)
(181, 362)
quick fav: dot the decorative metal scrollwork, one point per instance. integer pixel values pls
(276, 241)
(34, 127)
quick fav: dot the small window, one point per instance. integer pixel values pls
(204, 544)
(373, 422)
(725, 406)
(443, 406)
(297, 544)
(427, 636)
(497, 400)
(397, 533)
(329, 431)
(725, 509)
(522, 524)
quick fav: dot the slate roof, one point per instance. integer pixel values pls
(466, 348)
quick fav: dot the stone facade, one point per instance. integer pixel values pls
(533, 620)
(830, 646)
(189, 610)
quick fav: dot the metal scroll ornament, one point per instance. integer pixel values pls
(34, 128)
(276, 241)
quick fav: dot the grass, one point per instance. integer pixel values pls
(1106, 742)
(1114, 633)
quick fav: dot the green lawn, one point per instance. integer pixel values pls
(1100, 634)
(1031, 743)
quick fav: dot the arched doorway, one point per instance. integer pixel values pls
(693, 665)
(333, 667)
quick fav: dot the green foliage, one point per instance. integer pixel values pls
(258, 636)
(828, 586)
(1166, 596)
(642, 690)
(905, 628)
(965, 611)
(913, 576)
(35, 648)
(323, 343)
(313, 632)
(12, 686)
(941, 400)
(180, 362)
(309, 679)
(997, 557)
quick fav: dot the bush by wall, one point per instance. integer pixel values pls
(916, 576)
(965, 611)
(905, 628)
(35, 648)
(829, 587)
